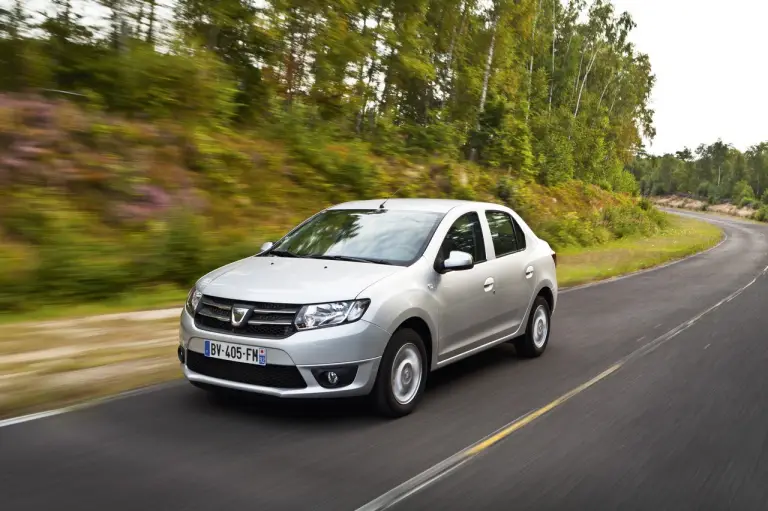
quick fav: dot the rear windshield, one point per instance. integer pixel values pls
(390, 236)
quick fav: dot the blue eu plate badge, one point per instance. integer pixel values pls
(207, 348)
(262, 356)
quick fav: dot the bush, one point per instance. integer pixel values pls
(570, 230)
(746, 202)
(434, 138)
(658, 189)
(624, 221)
(17, 276)
(614, 222)
(76, 267)
(742, 192)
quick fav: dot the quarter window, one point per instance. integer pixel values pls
(506, 234)
(465, 235)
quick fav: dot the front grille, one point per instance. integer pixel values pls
(281, 377)
(265, 320)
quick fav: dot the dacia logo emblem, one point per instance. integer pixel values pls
(238, 315)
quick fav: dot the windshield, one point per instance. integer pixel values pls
(382, 236)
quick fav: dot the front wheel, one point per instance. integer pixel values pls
(536, 337)
(402, 374)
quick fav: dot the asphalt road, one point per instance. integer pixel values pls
(684, 426)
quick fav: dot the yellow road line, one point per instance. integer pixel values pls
(445, 467)
(524, 421)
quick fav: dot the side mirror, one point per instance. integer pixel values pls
(266, 246)
(458, 261)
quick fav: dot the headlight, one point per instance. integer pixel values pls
(329, 314)
(193, 299)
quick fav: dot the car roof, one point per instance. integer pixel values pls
(434, 205)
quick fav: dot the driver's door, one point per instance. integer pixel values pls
(465, 297)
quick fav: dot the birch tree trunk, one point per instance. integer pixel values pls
(584, 81)
(554, 38)
(578, 75)
(613, 102)
(486, 78)
(530, 65)
(487, 71)
(361, 77)
(602, 94)
(456, 34)
(448, 77)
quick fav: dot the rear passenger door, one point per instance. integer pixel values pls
(512, 270)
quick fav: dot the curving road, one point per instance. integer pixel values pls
(680, 423)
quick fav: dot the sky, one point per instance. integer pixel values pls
(709, 58)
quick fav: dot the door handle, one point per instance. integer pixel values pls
(488, 286)
(529, 272)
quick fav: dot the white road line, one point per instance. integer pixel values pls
(87, 404)
(442, 469)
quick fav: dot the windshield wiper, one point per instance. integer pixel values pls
(282, 253)
(349, 258)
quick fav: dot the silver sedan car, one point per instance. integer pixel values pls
(369, 297)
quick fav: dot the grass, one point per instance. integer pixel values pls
(139, 300)
(85, 361)
(684, 237)
(51, 364)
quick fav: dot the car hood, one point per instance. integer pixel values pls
(289, 280)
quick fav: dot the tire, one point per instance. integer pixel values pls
(536, 338)
(405, 348)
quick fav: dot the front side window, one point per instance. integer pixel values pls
(506, 234)
(465, 235)
(384, 236)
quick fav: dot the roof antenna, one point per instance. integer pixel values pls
(381, 206)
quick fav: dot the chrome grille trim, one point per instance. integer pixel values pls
(211, 303)
(205, 312)
(267, 322)
(278, 311)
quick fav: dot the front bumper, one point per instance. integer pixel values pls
(360, 344)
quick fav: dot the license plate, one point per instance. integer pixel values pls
(236, 352)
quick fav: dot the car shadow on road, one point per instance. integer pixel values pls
(441, 385)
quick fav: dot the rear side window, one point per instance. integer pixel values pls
(465, 235)
(506, 234)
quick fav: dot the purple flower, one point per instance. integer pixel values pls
(153, 196)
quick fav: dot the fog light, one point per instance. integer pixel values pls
(335, 377)
(180, 353)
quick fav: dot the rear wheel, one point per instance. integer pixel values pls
(536, 337)
(402, 374)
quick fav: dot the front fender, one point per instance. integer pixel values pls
(400, 297)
